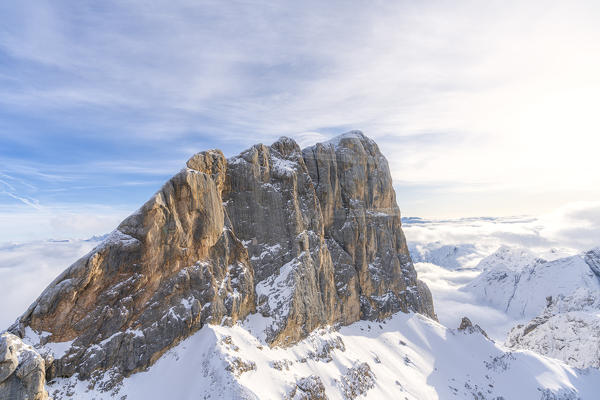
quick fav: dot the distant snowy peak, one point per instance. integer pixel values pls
(568, 329)
(559, 298)
(450, 256)
(510, 258)
(518, 283)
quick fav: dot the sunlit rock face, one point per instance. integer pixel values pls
(305, 237)
(363, 230)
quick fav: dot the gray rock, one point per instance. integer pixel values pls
(373, 269)
(308, 388)
(467, 326)
(22, 370)
(592, 258)
(357, 381)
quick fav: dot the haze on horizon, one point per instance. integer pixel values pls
(482, 108)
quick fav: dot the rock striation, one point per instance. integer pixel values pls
(306, 237)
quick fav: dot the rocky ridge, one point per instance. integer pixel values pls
(306, 238)
(568, 329)
(517, 282)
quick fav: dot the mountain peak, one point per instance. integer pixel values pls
(307, 238)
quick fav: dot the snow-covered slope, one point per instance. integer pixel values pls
(550, 307)
(405, 357)
(453, 303)
(517, 282)
(568, 329)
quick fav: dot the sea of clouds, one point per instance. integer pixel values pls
(567, 230)
(27, 268)
(447, 252)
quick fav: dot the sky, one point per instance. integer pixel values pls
(481, 107)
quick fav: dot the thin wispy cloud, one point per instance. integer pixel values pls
(480, 107)
(28, 201)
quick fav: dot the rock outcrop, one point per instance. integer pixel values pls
(568, 329)
(305, 237)
(22, 370)
(592, 258)
(466, 326)
(165, 271)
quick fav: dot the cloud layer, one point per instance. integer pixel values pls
(27, 268)
(481, 107)
(568, 230)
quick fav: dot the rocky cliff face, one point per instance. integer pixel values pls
(305, 237)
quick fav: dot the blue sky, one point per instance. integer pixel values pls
(482, 108)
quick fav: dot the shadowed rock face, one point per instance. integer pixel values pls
(306, 237)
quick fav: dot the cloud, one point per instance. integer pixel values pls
(451, 303)
(575, 224)
(28, 201)
(24, 224)
(9, 190)
(26, 269)
(480, 104)
(570, 229)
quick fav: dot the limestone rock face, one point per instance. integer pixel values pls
(165, 271)
(275, 211)
(305, 237)
(373, 270)
(22, 371)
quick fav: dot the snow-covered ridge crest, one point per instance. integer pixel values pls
(406, 356)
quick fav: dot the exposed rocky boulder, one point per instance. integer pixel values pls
(306, 237)
(467, 326)
(357, 381)
(22, 370)
(309, 388)
(374, 274)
